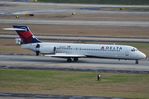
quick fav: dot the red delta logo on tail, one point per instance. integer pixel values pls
(26, 35)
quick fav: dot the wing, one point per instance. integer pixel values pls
(64, 55)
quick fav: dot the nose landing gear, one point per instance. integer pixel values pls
(137, 61)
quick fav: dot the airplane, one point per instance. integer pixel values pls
(73, 51)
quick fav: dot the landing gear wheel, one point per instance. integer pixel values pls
(137, 62)
(75, 59)
(37, 53)
(69, 60)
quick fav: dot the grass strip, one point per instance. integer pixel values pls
(75, 83)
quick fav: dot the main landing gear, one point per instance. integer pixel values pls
(72, 60)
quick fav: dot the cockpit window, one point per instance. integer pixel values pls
(133, 49)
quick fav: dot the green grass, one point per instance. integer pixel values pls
(75, 83)
(126, 2)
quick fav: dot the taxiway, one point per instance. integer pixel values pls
(84, 38)
(77, 22)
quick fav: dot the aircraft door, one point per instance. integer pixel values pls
(127, 53)
(54, 50)
(37, 49)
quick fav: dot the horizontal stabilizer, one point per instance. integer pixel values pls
(13, 29)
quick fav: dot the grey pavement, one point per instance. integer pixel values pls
(84, 64)
(77, 22)
(84, 39)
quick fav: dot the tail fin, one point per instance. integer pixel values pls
(25, 34)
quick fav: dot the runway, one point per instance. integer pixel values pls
(84, 64)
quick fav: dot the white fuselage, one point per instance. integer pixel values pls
(89, 50)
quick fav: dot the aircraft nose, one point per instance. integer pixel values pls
(143, 56)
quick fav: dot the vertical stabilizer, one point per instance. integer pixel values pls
(25, 34)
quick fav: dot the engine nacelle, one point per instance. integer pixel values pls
(47, 50)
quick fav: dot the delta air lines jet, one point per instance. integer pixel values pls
(72, 52)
